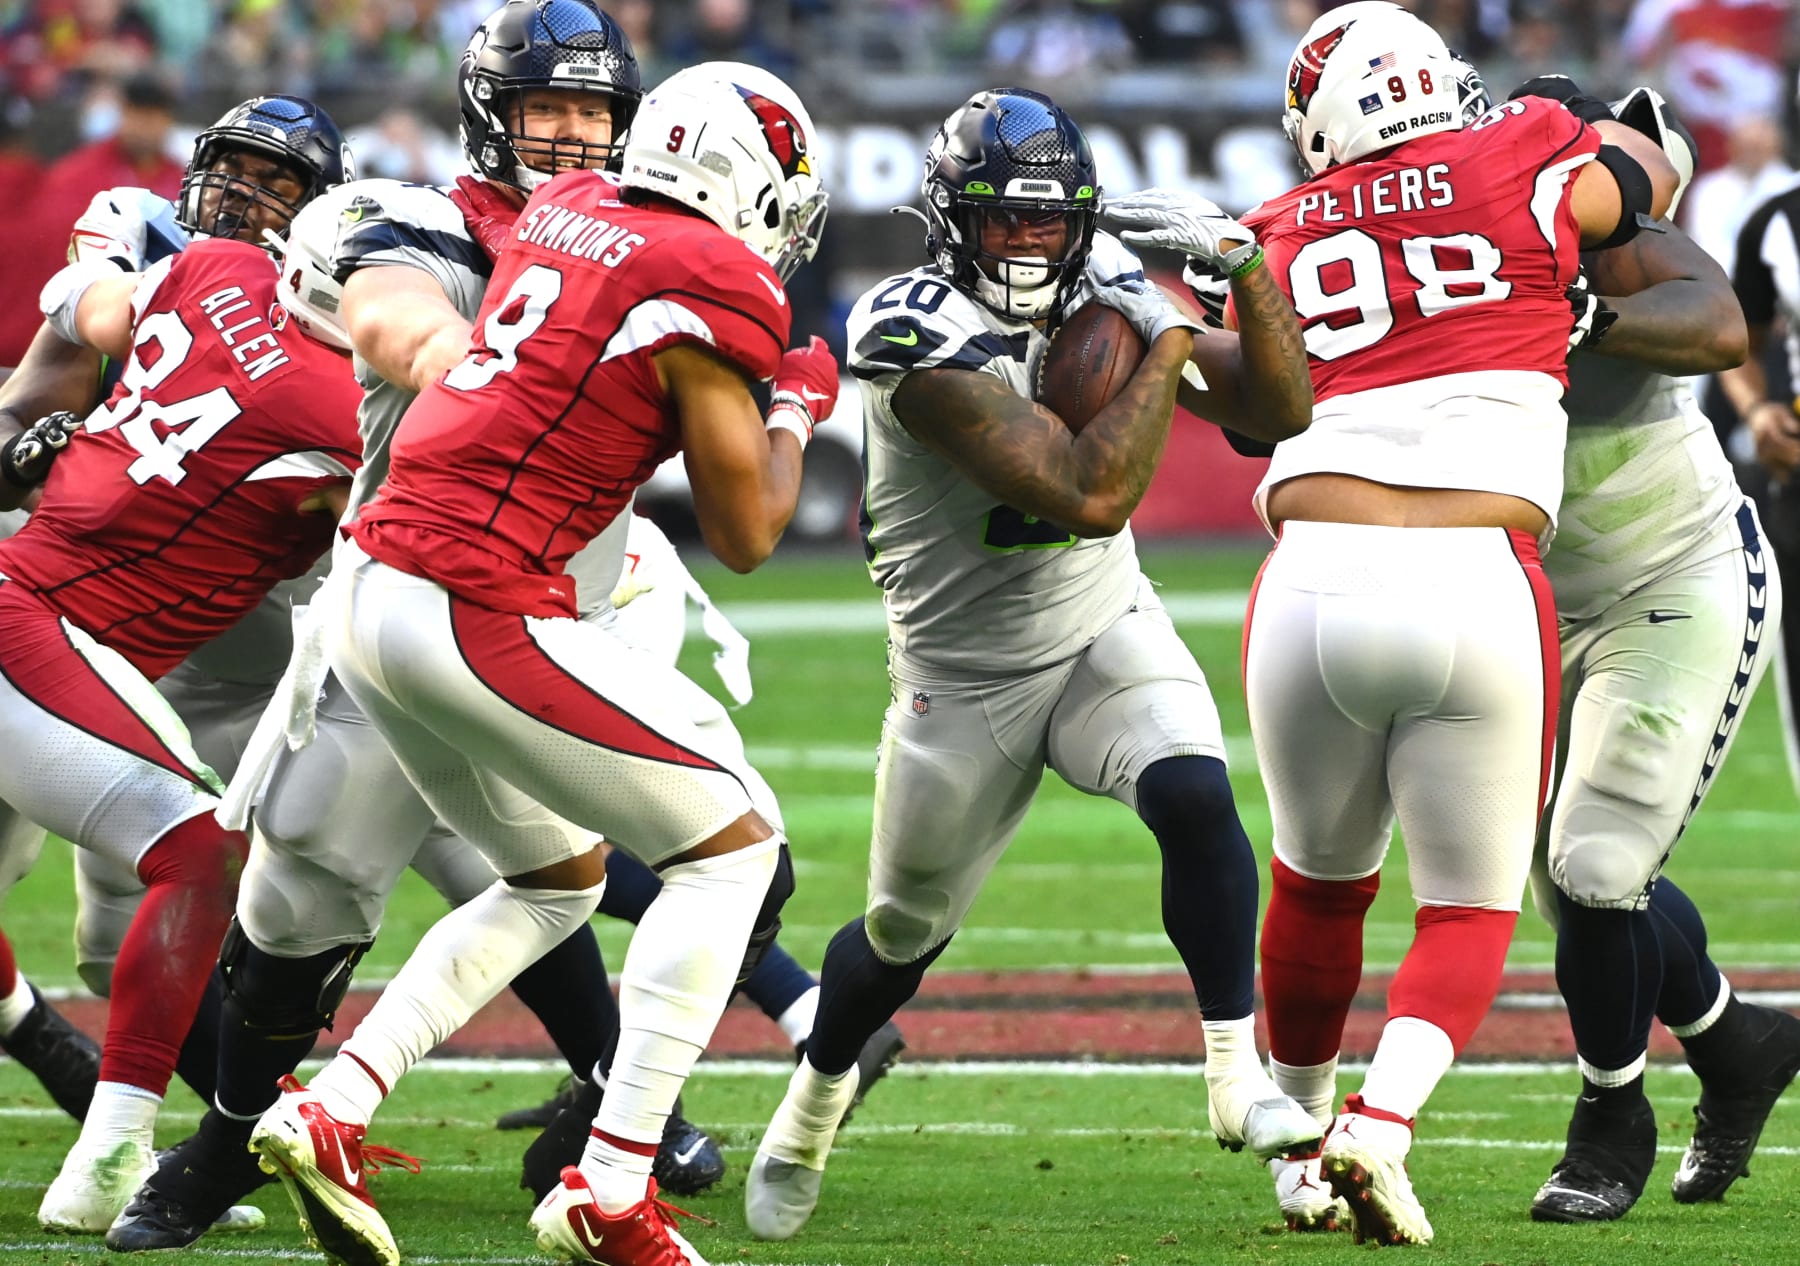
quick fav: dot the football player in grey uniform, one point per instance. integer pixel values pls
(1670, 609)
(1023, 635)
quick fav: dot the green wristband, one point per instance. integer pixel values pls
(1250, 262)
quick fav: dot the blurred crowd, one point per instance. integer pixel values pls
(95, 93)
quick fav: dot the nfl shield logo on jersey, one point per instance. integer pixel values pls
(921, 703)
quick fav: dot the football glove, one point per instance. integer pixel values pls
(489, 210)
(1182, 222)
(1211, 289)
(25, 458)
(1582, 105)
(1593, 318)
(121, 225)
(1136, 298)
(805, 389)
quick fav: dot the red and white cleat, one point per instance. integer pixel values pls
(1364, 1159)
(323, 1163)
(1307, 1201)
(572, 1228)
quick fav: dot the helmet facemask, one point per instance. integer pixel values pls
(224, 203)
(532, 160)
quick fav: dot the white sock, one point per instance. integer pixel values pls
(1613, 1078)
(797, 1021)
(1410, 1058)
(18, 1004)
(459, 966)
(677, 976)
(1312, 1086)
(1231, 1049)
(120, 1113)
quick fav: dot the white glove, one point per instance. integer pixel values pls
(114, 227)
(1136, 298)
(1211, 289)
(1183, 222)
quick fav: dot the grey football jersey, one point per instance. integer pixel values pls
(1645, 484)
(390, 222)
(968, 583)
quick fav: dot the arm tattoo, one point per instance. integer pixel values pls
(1277, 377)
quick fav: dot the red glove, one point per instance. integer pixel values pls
(806, 384)
(490, 211)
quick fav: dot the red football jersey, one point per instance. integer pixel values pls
(523, 453)
(1448, 254)
(177, 507)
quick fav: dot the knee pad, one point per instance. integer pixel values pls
(285, 997)
(900, 935)
(295, 905)
(1187, 799)
(1603, 857)
(768, 918)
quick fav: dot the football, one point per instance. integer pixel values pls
(1089, 359)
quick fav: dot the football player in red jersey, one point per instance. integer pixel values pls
(618, 328)
(1401, 657)
(203, 481)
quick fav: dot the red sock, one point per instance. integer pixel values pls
(169, 952)
(1311, 961)
(9, 967)
(1452, 972)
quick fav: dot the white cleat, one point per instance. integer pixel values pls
(1364, 1160)
(783, 1187)
(1251, 1112)
(1307, 1201)
(95, 1186)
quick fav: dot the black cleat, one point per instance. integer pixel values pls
(880, 1053)
(1604, 1167)
(536, 1118)
(1734, 1106)
(191, 1192)
(61, 1056)
(687, 1161)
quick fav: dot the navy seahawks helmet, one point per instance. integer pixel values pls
(290, 130)
(542, 44)
(1015, 153)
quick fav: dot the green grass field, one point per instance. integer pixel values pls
(995, 1167)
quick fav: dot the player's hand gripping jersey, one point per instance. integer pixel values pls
(179, 506)
(536, 442)
(1430, 284)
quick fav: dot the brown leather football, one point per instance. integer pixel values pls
(1090, 357)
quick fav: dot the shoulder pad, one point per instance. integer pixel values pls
(918, 320)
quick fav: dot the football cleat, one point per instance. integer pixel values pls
(540, 1115)
(1604, 1168)
(878, 1055)
(1729, 1119)
(789, 1169)
(59, 1055)
(323, 1163)
(571, 1227)
(95, 1186)
(1252, 1112)
(1364, 1160)
(1307, 1201)
(190, 1194)
(687, 1162)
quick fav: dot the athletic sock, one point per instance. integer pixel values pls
(778, 983)
(678, 975)
(1313, 1087)
(796, 1022)
(1693, 991)
(1312, 961)
(16, 1005)
(1210, 892)
(858, 993)
(1411, 1057)
(460, 965)
(630, 887)
(567, 990)
(170, 949)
